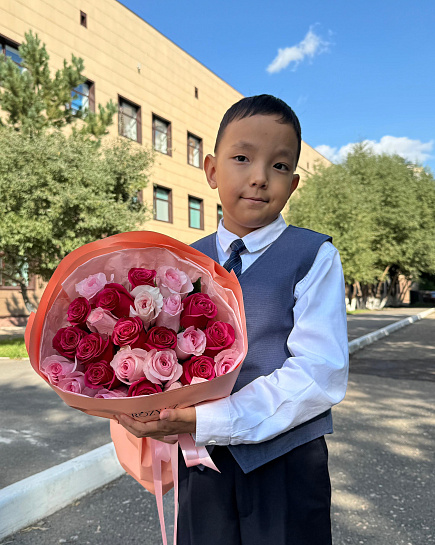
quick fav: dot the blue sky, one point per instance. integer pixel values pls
(352, 71)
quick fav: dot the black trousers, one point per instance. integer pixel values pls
(284, 502)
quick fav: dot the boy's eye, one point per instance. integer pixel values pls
(280, 166)
(240, 158)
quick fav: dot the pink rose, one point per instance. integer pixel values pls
(191, 342)
(162, 366)
(198, 310)
(170, 314)
(110, 394)
(129, 331)
(220, 335)
(101, 321)
(143, 387)
(128, 364)
(100, 373)
(161, 338)
(174, 386)
(75, 383)
(225, 361)
(115, 297)
(56, 368)
(90, 286)
(94, 347)
(67, 340)
(78, 311)
(148, 302)
(198, 380)
(141, 277)
(171, 280)
(198, 366)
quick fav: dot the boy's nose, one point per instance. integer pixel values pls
(259, 178)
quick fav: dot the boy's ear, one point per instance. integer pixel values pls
(210, 170)
(295, 183)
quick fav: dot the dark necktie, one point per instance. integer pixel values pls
(234, 262)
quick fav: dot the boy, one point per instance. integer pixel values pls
(267, 437)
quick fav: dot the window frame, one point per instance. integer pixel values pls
(4, 41)
(191, 135)
(138, 118)
(201, 211)
(91, 96)
(168, 134)
(169, 201)
(83, 19)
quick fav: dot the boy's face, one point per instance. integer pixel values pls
(253, 170)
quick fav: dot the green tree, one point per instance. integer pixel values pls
(59, 189)
(380, 210)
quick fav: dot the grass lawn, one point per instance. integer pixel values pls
(13, 348)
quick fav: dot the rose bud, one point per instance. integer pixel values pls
(198, 310)
(169, 316)
(75, 383)
(90, 286)
(101, 321)
(162, 366)
(100, 373)
(94, 347)
(148, 302)
(198, 366)
(78, 311)
(104, 393)
(115, 297)
(225, 361)
(171, 280)
(161, 338)
(67, 340)
(143, 387)
(129, 331)
(220, 335)
(128, 364)
(56, 368)
(191, 342)
(141, 277)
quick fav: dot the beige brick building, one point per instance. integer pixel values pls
(166, 99)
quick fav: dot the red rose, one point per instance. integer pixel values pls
(198, 366)
(143, 387)
(198, 310)
(67, 340)
(141, 277)
(78, 311)
(115, 298)
(100, 374)
(161, 338)
(129, 331)
(94, 347)
(219, 335)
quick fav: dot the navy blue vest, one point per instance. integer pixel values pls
(268, 293)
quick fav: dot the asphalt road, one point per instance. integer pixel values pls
(381, 461)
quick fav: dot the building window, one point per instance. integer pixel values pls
(196, 92)
(84, 97)
(10, 49)
(196, 213)
(194, 150)
(162, 140)
(162, 204)
(83, 19)
(129, 120)
(220, 214)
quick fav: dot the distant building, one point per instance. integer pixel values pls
(166, 99)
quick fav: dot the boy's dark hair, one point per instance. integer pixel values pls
(260, 105)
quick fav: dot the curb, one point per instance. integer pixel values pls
(32, 499)
(361, 342)
(40, 495)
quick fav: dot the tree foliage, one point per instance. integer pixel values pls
(59, 189)
(380, 210)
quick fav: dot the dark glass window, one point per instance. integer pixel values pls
(162, 135)
(129, 120)
(196, 214)
(162, 204)
(194, 150)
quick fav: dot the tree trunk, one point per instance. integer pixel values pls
(24, 293)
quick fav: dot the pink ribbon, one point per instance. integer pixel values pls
(163, 452)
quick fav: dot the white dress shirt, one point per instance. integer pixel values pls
(312, 379)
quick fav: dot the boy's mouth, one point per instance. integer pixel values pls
(256, 199)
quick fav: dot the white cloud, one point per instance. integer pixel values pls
(310, 46)
(411, 150)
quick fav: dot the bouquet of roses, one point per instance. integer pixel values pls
(135, 315)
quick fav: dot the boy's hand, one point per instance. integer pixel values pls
(172, 422)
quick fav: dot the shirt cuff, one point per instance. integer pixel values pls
(213, 423)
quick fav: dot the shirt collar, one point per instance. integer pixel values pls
(255, 241)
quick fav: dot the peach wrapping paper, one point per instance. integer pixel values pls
(116, 255)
